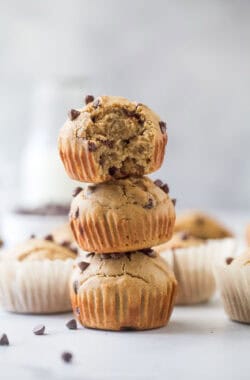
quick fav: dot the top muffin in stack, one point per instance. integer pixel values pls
(112, 143)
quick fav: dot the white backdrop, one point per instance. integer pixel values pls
(189, 60)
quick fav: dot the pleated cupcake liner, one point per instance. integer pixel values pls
(120, 307)
(110, 233)
(37, 287)
(234, 286)
(81, 165)
(193, 268)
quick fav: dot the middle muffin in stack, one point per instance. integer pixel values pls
(123, 284)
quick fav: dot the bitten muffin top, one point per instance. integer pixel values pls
(201, 225)
(40, 249)
(120, 194)
(145, 265)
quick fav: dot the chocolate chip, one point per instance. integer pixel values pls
(32, 236)
(112, 170)
(67, 357)
(72, 325)
(229, 260)
(77, 213)
(92, 146)
(158, 183)
(75, 286)
(89, 99)
(96, 103)
(83, 265)
(4, 341)
(174, 201)
(66, 244)
(163, 126)
(150, 204)
(165, 188)
(73, 114)
(90, 254)
(108, 143)
(76, 191)
(184, 236)
(49, 237)
(39, 330)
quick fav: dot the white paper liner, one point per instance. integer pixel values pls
(38, 287)
(193, 268)
(234, 286)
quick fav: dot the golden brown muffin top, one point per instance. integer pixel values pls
(145, 265)
(201, 225)
(180, 240)
(40, 249)
(120, 194)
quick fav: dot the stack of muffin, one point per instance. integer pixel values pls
(123, 283)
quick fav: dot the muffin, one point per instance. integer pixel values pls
(191, 261)
(201, 226)
(126, 291)
(34, 277)
(233, 280)
(112, 137)
(121, 216)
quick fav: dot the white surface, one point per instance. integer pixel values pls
(199, 343)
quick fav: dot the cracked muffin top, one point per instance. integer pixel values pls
(144, 265)
(121, 138)
(41, 249)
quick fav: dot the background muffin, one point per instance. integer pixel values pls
(122, 215)
(201, 225)
(134, 290)
(112, 137)
(34, 277)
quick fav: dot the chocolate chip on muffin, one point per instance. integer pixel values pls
(89, 99)
(73, 114)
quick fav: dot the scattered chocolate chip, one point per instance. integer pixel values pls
(49, 237)
(90, 254)
(83, 265)
(108, 143)
(165, 188)
(229, 260)
(39, 330)
(158, 183)
(96, 103)
(77, 310)
(92, 146)
(4, 341)
(32, 236)
(73, 114)
(174, 201)
(112, 170)
(163, 126)
(67, 357)
(184, 236)
(89, 99)
(77, 213)
(75, 286)
(150, 204)
(76, 191)
(72, 325)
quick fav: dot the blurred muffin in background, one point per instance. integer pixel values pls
(62, 234)
(201, 225)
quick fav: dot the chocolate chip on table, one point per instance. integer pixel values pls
(112, 170)
(39, 330)
(75, 286)
(174, 201)
(4, 341)
(150, 204)
(73, 114)
(92, 146)
(67, 357)
(49, 237)
(72, 325)
(96, 103)
(229, 260)
(89, 99)
(76, 191)
(163, 126)
(83, 265)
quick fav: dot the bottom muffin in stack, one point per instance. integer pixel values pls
(123, 291)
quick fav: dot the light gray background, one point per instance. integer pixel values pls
(188, 60)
